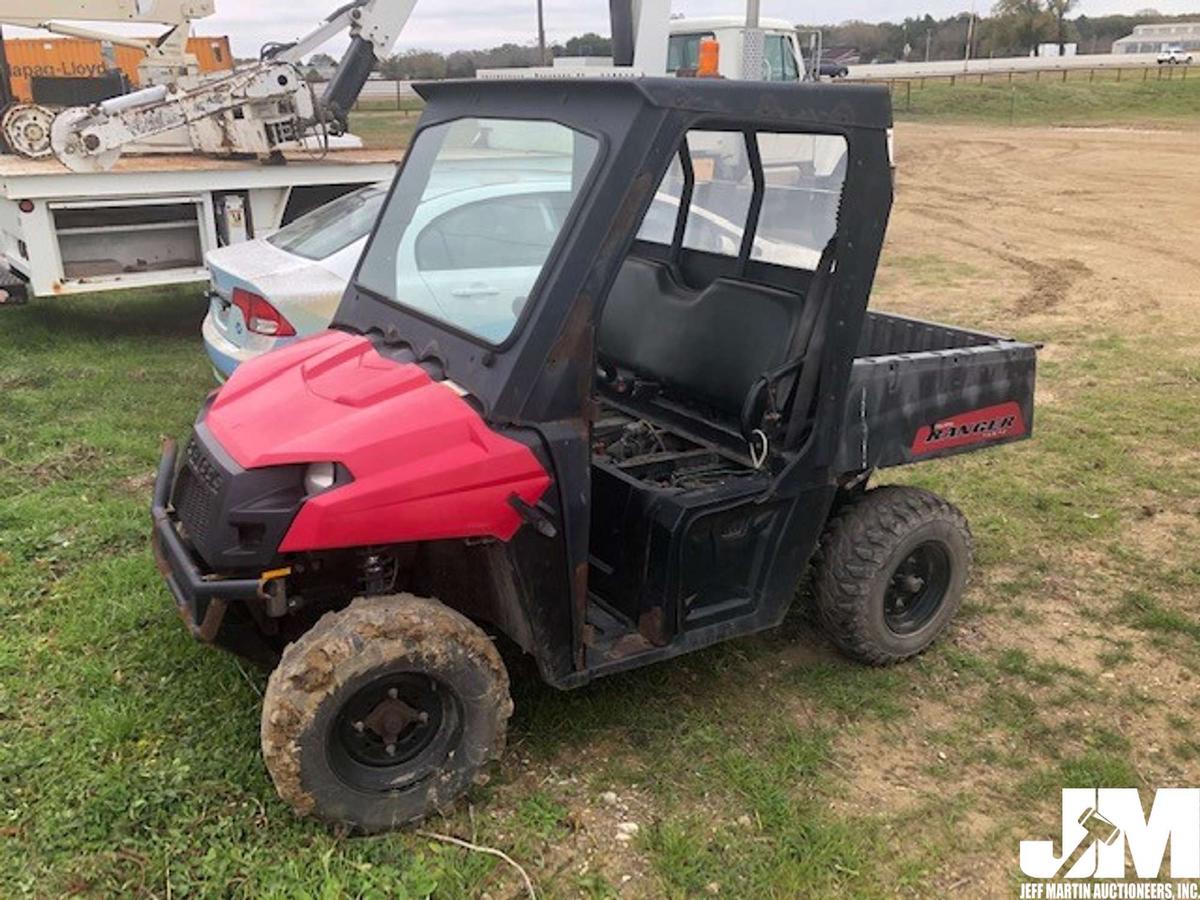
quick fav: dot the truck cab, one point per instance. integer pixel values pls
(781, 57)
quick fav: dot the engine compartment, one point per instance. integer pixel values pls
(656, 455)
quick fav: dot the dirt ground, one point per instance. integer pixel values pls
(1092, 225)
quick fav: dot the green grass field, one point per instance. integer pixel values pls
(1132, 101)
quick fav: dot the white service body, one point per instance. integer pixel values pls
(150, 221)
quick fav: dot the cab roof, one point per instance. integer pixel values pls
(712, 23)
(762, 104)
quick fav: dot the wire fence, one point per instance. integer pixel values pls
(1106, 73)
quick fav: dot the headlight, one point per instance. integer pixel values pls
(319, 477)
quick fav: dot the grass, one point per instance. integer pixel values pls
(130, 761)
(384, 128)
(1131, 101)
(765, 767)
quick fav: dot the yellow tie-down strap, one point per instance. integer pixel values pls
(272, 574)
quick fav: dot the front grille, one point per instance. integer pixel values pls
(197, 489)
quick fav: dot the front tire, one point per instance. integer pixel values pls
(890, 573)
(383, 713)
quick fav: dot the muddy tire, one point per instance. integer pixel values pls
(890, 573)
(383, 713)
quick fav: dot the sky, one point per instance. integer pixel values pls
(443, 25)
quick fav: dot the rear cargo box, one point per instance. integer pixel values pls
(920, 390)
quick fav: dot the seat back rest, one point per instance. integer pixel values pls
(710, 344)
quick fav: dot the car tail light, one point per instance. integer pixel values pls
(261, 317)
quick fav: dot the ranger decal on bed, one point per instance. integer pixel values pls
(987, 424)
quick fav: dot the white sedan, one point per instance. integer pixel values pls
(475, 242)
(474, 250)
(272, 291)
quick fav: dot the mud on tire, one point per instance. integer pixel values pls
(890, 573)
(384, 712)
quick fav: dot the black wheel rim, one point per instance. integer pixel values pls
(394, 732)
(917, 588)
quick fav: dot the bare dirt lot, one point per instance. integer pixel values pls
(129, 758)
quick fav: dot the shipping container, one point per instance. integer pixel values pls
(55, 57)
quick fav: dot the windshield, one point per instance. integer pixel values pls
(332, 227)
(478, 208)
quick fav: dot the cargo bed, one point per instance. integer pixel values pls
(920, 390)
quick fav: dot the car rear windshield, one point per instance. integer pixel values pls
(472, 221)
(332, 227)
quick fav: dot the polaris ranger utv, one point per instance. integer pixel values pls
(612, 403)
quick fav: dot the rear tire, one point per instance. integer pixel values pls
(890, 573)
(384, 712)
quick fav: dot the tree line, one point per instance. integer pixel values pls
(422, 65)
(1014, 28)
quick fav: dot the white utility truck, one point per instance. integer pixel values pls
(648, 41)
(134, 190)
(150, 219)
(775, 46)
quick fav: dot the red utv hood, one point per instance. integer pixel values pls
(425, 465)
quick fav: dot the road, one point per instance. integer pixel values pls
(945, 68)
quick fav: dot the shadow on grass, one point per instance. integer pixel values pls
(165, 312)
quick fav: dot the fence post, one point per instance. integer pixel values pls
(952, 77)
(1010, 76)
(908, 96)
(1145, 73)
(1091, 76)
(1064, 76)
(1037, 74)
(1012, 103)
(1118, 74)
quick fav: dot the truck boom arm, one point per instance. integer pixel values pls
(252, 111)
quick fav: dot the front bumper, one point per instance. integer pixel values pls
(201, 598)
